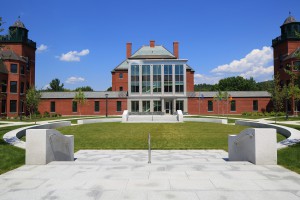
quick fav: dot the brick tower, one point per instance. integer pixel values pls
(17, 69)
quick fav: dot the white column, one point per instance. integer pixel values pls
(162, 80)
(151, 79)
(140, 79)
(173, 79)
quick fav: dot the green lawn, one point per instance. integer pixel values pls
(290, 157)
(188, 135)
(11, 157)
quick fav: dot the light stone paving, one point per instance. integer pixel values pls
(172, 175)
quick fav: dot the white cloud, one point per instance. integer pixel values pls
(73, 80)
(73, 56)
(46, 87)
(256, 58)
(42, 48)
(200, 78)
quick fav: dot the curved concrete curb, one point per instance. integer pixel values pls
(293, 135)
(92, 121)
(12, 137)
(211, 120)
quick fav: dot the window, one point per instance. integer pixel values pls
(4, 86)
(96, 106)
(134, 106)
(135, 79)
(255, 105)
(121, 75)
(146, 106)
(179, 78)
(74, 106)
(22, 88)
(27, 65)
(168, 78)
(13, 87)
(121, 88)
(13, 106)
(22, 69)
(52, 106)
(119, 106)
(156, 78)
(146, 78)
(3, 106)
(179, 105)
(297, 65)
(233, 106)
(157, 106)
(210, 106)
(14, 68)
(27, 85)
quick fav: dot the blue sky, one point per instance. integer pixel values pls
(80, 42)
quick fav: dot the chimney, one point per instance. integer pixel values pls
(152, 43)
(128, 49)
(175, 49)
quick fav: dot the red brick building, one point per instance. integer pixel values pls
(153, 81)
(17, 69)
(287, 53)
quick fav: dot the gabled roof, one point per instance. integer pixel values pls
(156, 52)
(294, 54)
(91, 95)
(3, 68)
(123, 66)
(10, 55)
(234, 94)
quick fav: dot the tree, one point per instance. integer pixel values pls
(219, 97)
(277, 95)
(1, 24)
(236, 84)
(109, 89)
(203, 87)
(56, 86)
(32, 101)
(84, 88)
(80, 99)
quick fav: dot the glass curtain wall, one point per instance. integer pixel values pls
(157, 106)
(156, 78)
(179, 105)
(146, 106)
(134, 106)
(168, 78)
(135, 80)
(146, 79)
(179, 79)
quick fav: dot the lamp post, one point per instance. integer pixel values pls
(106, 96)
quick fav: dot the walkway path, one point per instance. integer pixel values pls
(121, 174)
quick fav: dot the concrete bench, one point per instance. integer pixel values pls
(256, 145)
(47, 145)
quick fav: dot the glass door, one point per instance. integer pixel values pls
(167, 107)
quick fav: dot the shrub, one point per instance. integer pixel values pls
(46, 114)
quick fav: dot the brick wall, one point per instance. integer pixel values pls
(242, 105)
(118, 82)
(64, 106)
(190, 80)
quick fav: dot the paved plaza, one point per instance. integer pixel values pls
(172, 175)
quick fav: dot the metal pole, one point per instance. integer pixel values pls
(149, 148)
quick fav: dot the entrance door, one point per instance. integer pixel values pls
(168, 107)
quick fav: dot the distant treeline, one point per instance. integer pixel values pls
(237, 83)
